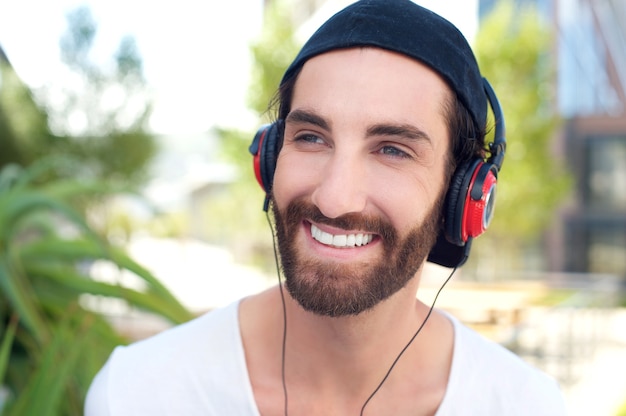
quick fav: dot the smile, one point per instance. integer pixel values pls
(340, 240)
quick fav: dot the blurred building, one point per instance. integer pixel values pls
(590, 45)
(592, 98)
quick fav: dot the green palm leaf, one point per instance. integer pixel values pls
(5, 347)
(46, 387)
(49, 359)
(20, 295)
(81, 250)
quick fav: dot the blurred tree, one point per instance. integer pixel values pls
(237, 213)
(52, 337)
(513, 47)
(96, 118)
(24, 132)
(101, 100)
(273, 52)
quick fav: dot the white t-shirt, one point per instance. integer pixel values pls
(199, 368)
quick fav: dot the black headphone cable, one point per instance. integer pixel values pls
(284, 340)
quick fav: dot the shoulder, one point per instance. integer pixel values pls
(183, 344)
(491, 378)
(176, 367)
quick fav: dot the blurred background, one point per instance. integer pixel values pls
(128, 202)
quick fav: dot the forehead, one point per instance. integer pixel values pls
(372, 83)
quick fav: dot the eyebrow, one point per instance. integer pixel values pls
(408, 131)
(307, 117)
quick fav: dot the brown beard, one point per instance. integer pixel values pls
(332, 289)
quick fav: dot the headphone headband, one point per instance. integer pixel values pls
(498, 147)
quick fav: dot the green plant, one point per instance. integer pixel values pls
(51, 344)
(111, 98)
(242, 225)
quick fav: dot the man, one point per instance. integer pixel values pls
(376, 163)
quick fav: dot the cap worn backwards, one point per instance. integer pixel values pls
(404, 27)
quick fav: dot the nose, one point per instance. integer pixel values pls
(341, 186)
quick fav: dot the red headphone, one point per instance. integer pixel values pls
(470, 199)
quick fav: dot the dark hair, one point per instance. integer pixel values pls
(467, 139)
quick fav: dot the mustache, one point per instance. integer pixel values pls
(301, 209)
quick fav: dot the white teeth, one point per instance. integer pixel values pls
(340, 240)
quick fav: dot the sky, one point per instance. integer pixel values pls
(195, 53)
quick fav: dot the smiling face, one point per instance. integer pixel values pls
(360, 178)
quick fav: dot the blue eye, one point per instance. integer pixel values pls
(393, 152)
(308, 138)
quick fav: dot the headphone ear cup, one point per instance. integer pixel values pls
(480, 201)
(470, 201)
(264, 149)
(269, 154)
(455, 203)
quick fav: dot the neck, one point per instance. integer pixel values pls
(335, 364)
(352, 352)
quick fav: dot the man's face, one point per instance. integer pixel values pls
(360, 178)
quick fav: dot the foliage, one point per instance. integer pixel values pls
(51, 342)
(513, 48)
(95, 117)
(105, 98)
(24, 132)
(273, 52)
